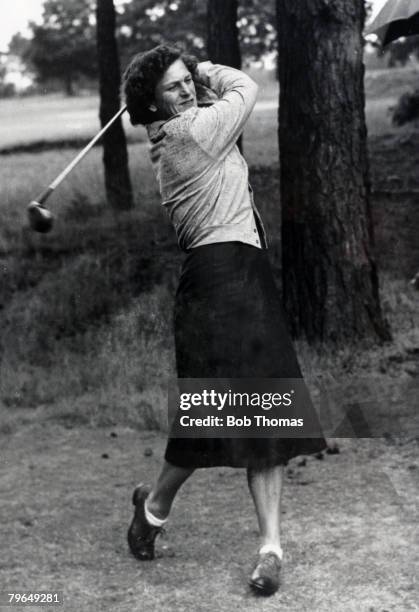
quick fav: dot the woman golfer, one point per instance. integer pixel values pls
(228, 316)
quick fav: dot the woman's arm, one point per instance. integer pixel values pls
(217, 128)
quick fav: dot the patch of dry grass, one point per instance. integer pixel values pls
(116, 372)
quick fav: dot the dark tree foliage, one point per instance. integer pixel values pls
(407, 108)
(7, 90)
(403, 50)
(63, 46)
(257, 28)
(143, 24)
(330, 280)
(18, 44)
(115, 154)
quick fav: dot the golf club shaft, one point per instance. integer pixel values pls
(47, 192)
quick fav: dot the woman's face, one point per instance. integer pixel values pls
(175, 92)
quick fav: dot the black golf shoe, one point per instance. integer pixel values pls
(265, 577)
(141, 534)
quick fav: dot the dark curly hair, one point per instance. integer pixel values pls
(142, 75)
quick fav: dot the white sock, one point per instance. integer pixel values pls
(151, 519)
(271, 548)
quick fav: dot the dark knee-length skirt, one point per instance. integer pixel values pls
(229, 323)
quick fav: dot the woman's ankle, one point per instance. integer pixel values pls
(271, 548)
(154, 510)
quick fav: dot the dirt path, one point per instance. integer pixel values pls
(350, 527)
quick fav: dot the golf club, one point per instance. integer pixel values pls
(40, 218)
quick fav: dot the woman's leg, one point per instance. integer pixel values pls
(160, 499)
(152, 508)
(265, 487)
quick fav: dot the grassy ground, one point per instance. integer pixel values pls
(349, 527)
(85, 352)
(52, 118)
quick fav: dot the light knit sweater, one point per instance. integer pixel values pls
(203, 178)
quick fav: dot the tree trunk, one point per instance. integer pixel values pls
(115, 154)
(330, 281)
(69, 84)
(223, 36)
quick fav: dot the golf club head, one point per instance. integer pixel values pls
(40, 218)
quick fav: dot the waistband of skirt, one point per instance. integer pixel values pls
(223, 247)
(221, 261)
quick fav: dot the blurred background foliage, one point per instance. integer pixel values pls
(62, 49)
